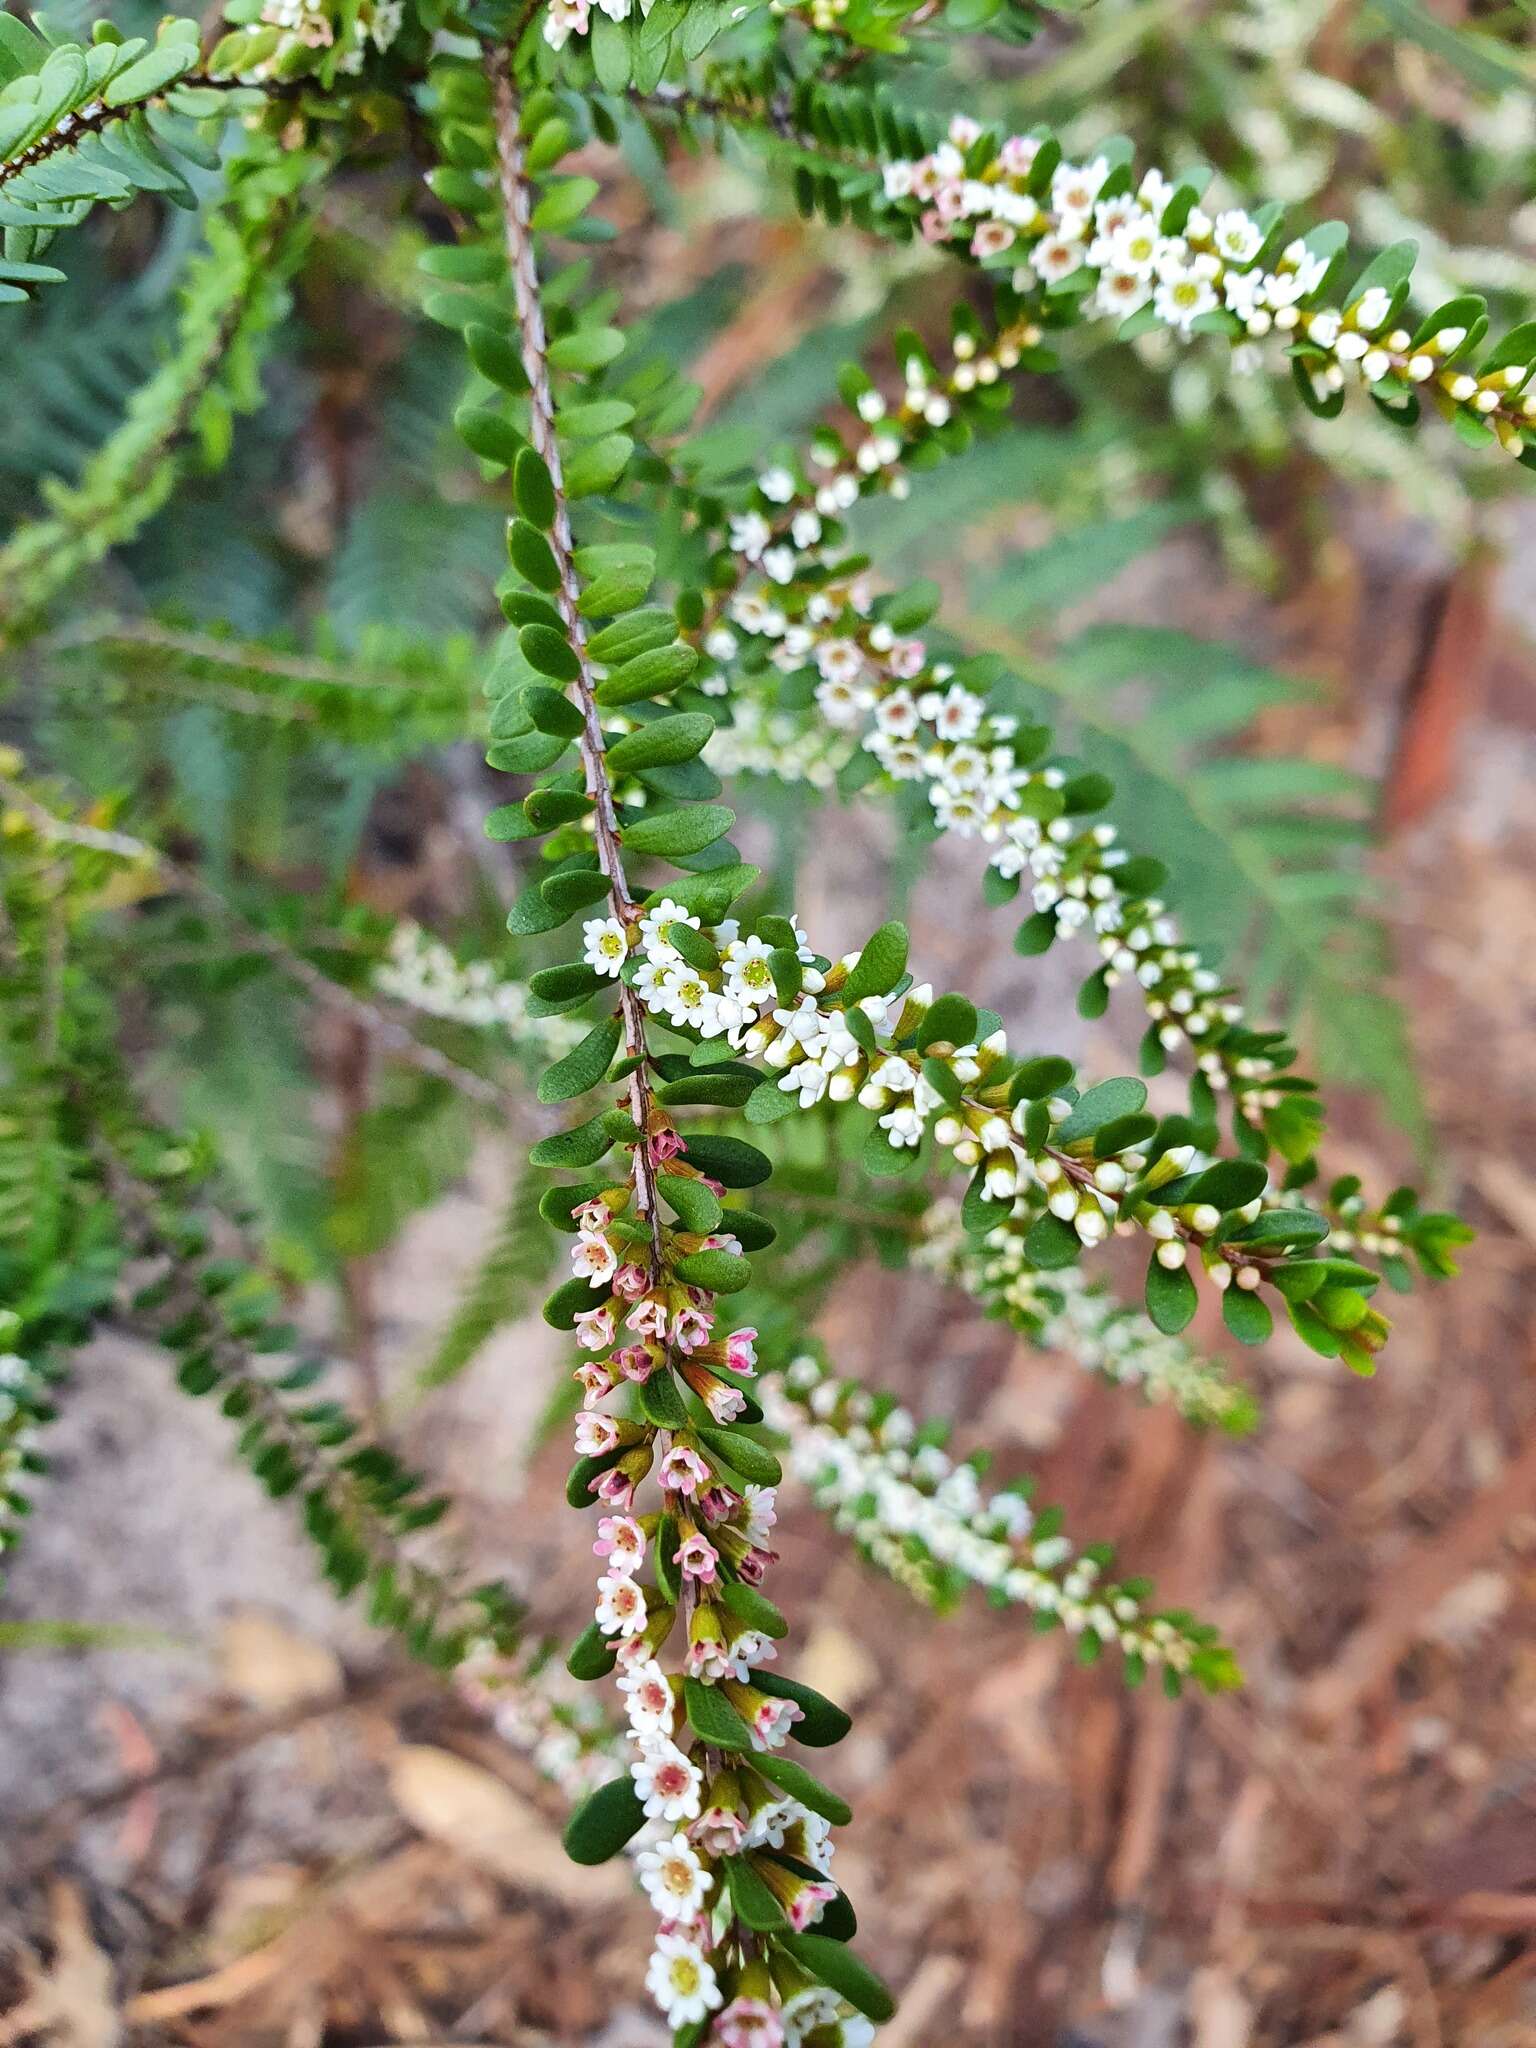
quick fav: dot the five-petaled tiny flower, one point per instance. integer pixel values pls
(697, 1558)
(605, 944)
(622, 1541)
(681, 1981)
(667, 1783)
(620, 1607)
(674, 1878)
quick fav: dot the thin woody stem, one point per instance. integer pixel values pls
(517, 210)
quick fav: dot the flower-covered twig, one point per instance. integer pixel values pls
(692, 997)
(1094, 1162)
(924, 719)
(924, 1517)
(1074, 242)
(1063, 1311)
(747, 1912)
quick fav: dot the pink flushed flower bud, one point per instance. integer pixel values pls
(750, 2023)
(594, 1328)
(755, 1565)
(724, 1402)
(595, 1435)
(709, 1654)
(616, 1487)
(804, 1899)
(741, 1352)
(718, 1831)
(691, 1327)
(809, 1903)
(770, 1720)
(697, 1558)
(717, 1503)
(630, 1281)
(749, 1651)
(720, 1828)
(682, 1470)
(648, 1317)
(595, 1382)
(666, 1146)
(592, 1218)
(635, 1362)
(642, 1649)
(695, 1930)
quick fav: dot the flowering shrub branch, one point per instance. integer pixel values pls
(922, 1516)
(1062, 1311)
(685, 1002)
(1077, 242)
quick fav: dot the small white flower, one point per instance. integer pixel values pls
(654, 928)
(687, 998)
(1055, 257)
(649, 1700)
(903, 1126)
(673, 1878)
(667, 1783)
(1075, 187)
(957, 715)
(1238, 239)
(1182, 301)
(565, 18)
(681, 1981)
(620, 1609)
(593, 1259)
(605, 944)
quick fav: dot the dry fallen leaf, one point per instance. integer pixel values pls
(73, 2004)
(470, 1810)
(270, 1666)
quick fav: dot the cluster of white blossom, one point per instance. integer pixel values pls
(922, 1515)
(923, 724)
(818, 1055)
(1063, 1311)
(711, 1534)
(729, 1000)
(762, 741)
(567, 18)
(1120, 251)
(423, 973)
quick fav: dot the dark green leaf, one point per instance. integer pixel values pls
(605, 1820)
